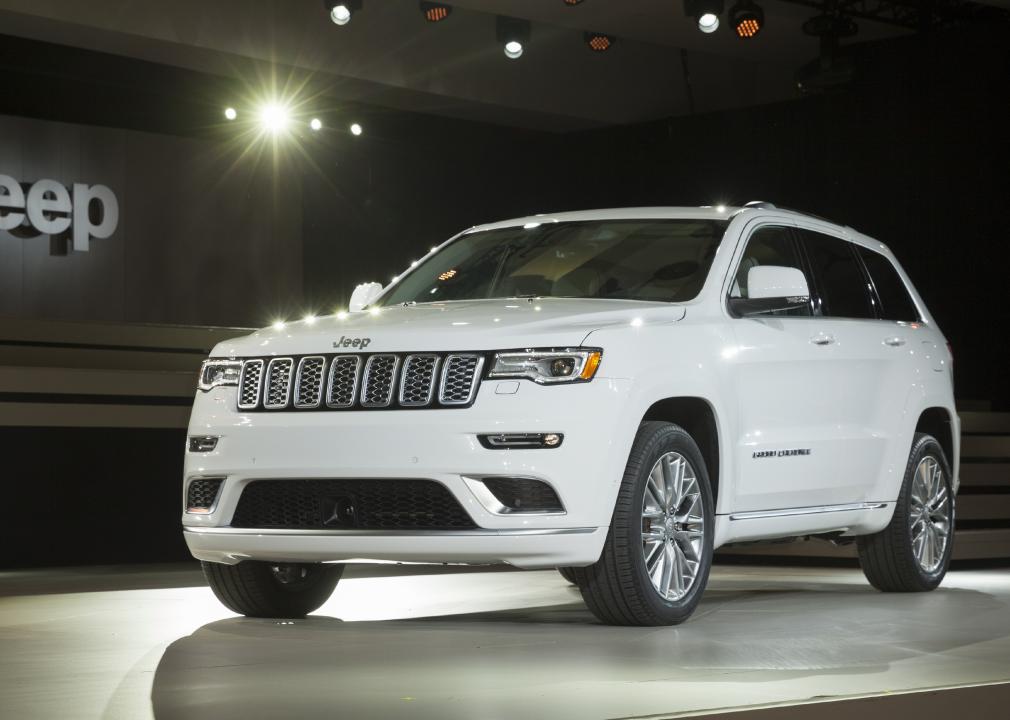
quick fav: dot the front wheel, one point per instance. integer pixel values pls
(272, 590)
(658, 552)
(913, 552)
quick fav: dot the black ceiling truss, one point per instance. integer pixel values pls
(911, 14)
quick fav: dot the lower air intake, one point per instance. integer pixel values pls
(366, 504)
(524, 495)
(202, 494)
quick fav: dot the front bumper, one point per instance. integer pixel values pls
(438, 445)
(522, 548)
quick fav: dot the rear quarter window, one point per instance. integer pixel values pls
(895, 301)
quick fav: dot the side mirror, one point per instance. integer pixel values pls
(772, 288)
(363, 296)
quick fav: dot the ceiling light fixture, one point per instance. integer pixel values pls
(513, 34)
(342, 10)
(230, 113)
(705, 12)
(274, 117)
(356, 129)
(435, 11)
(316, 124)
(746, 18)
(599, 42)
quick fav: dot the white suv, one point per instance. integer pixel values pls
(614, 393)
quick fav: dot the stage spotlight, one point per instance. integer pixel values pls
(599, 42)
(230, 113)
(316, 124)
(342, 10)
(705, 12)
(514, 34)
(274, 118)
(747, 18)
(435, 11)
(356, 129)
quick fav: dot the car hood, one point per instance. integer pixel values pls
(460, 325)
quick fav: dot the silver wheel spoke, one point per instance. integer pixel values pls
(929, 514)
(673, 526)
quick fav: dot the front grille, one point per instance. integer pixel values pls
(342, 382)
(367, 504)
(202, 494)
(277, 389)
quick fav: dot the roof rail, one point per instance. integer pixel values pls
(760, 205)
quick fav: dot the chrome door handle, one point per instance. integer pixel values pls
(894, 341)
(822, 339)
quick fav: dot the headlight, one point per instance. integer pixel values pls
(548, 366)
(219, 372)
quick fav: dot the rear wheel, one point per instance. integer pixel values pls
(658, 552)
(272, 590)
(913, 552)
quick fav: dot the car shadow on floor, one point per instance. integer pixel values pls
(557, 660)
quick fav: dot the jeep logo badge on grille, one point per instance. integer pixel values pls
(344, 342)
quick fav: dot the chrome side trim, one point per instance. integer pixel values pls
(388, 533)
(814, 510)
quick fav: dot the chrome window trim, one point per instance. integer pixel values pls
(366, 378)
(259, 384)
(266, 384)
(298, 383)
(431, 384)
(474, 379)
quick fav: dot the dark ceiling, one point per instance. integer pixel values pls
(387, 55)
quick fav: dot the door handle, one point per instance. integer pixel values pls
(822, 339)
(894, 341)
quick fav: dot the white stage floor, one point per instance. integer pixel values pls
(136, 643)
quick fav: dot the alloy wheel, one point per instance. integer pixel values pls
(673, 526)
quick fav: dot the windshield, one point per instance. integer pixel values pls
(664, 260)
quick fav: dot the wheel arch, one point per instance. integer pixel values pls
(938, 422)
(697, 416)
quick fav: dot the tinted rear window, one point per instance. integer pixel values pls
(896, 303)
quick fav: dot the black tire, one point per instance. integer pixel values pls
(617, 588)
(888, 557)
(272, 590)
(568, 574)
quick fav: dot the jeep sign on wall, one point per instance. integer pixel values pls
(47, 207)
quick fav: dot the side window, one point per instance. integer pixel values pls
(842, 285)
(896, 303)
(768, 245)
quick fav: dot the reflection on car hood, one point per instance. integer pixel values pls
(459, 325)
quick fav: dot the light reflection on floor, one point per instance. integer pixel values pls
(480, 645)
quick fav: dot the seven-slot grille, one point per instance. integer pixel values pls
(384, 380)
